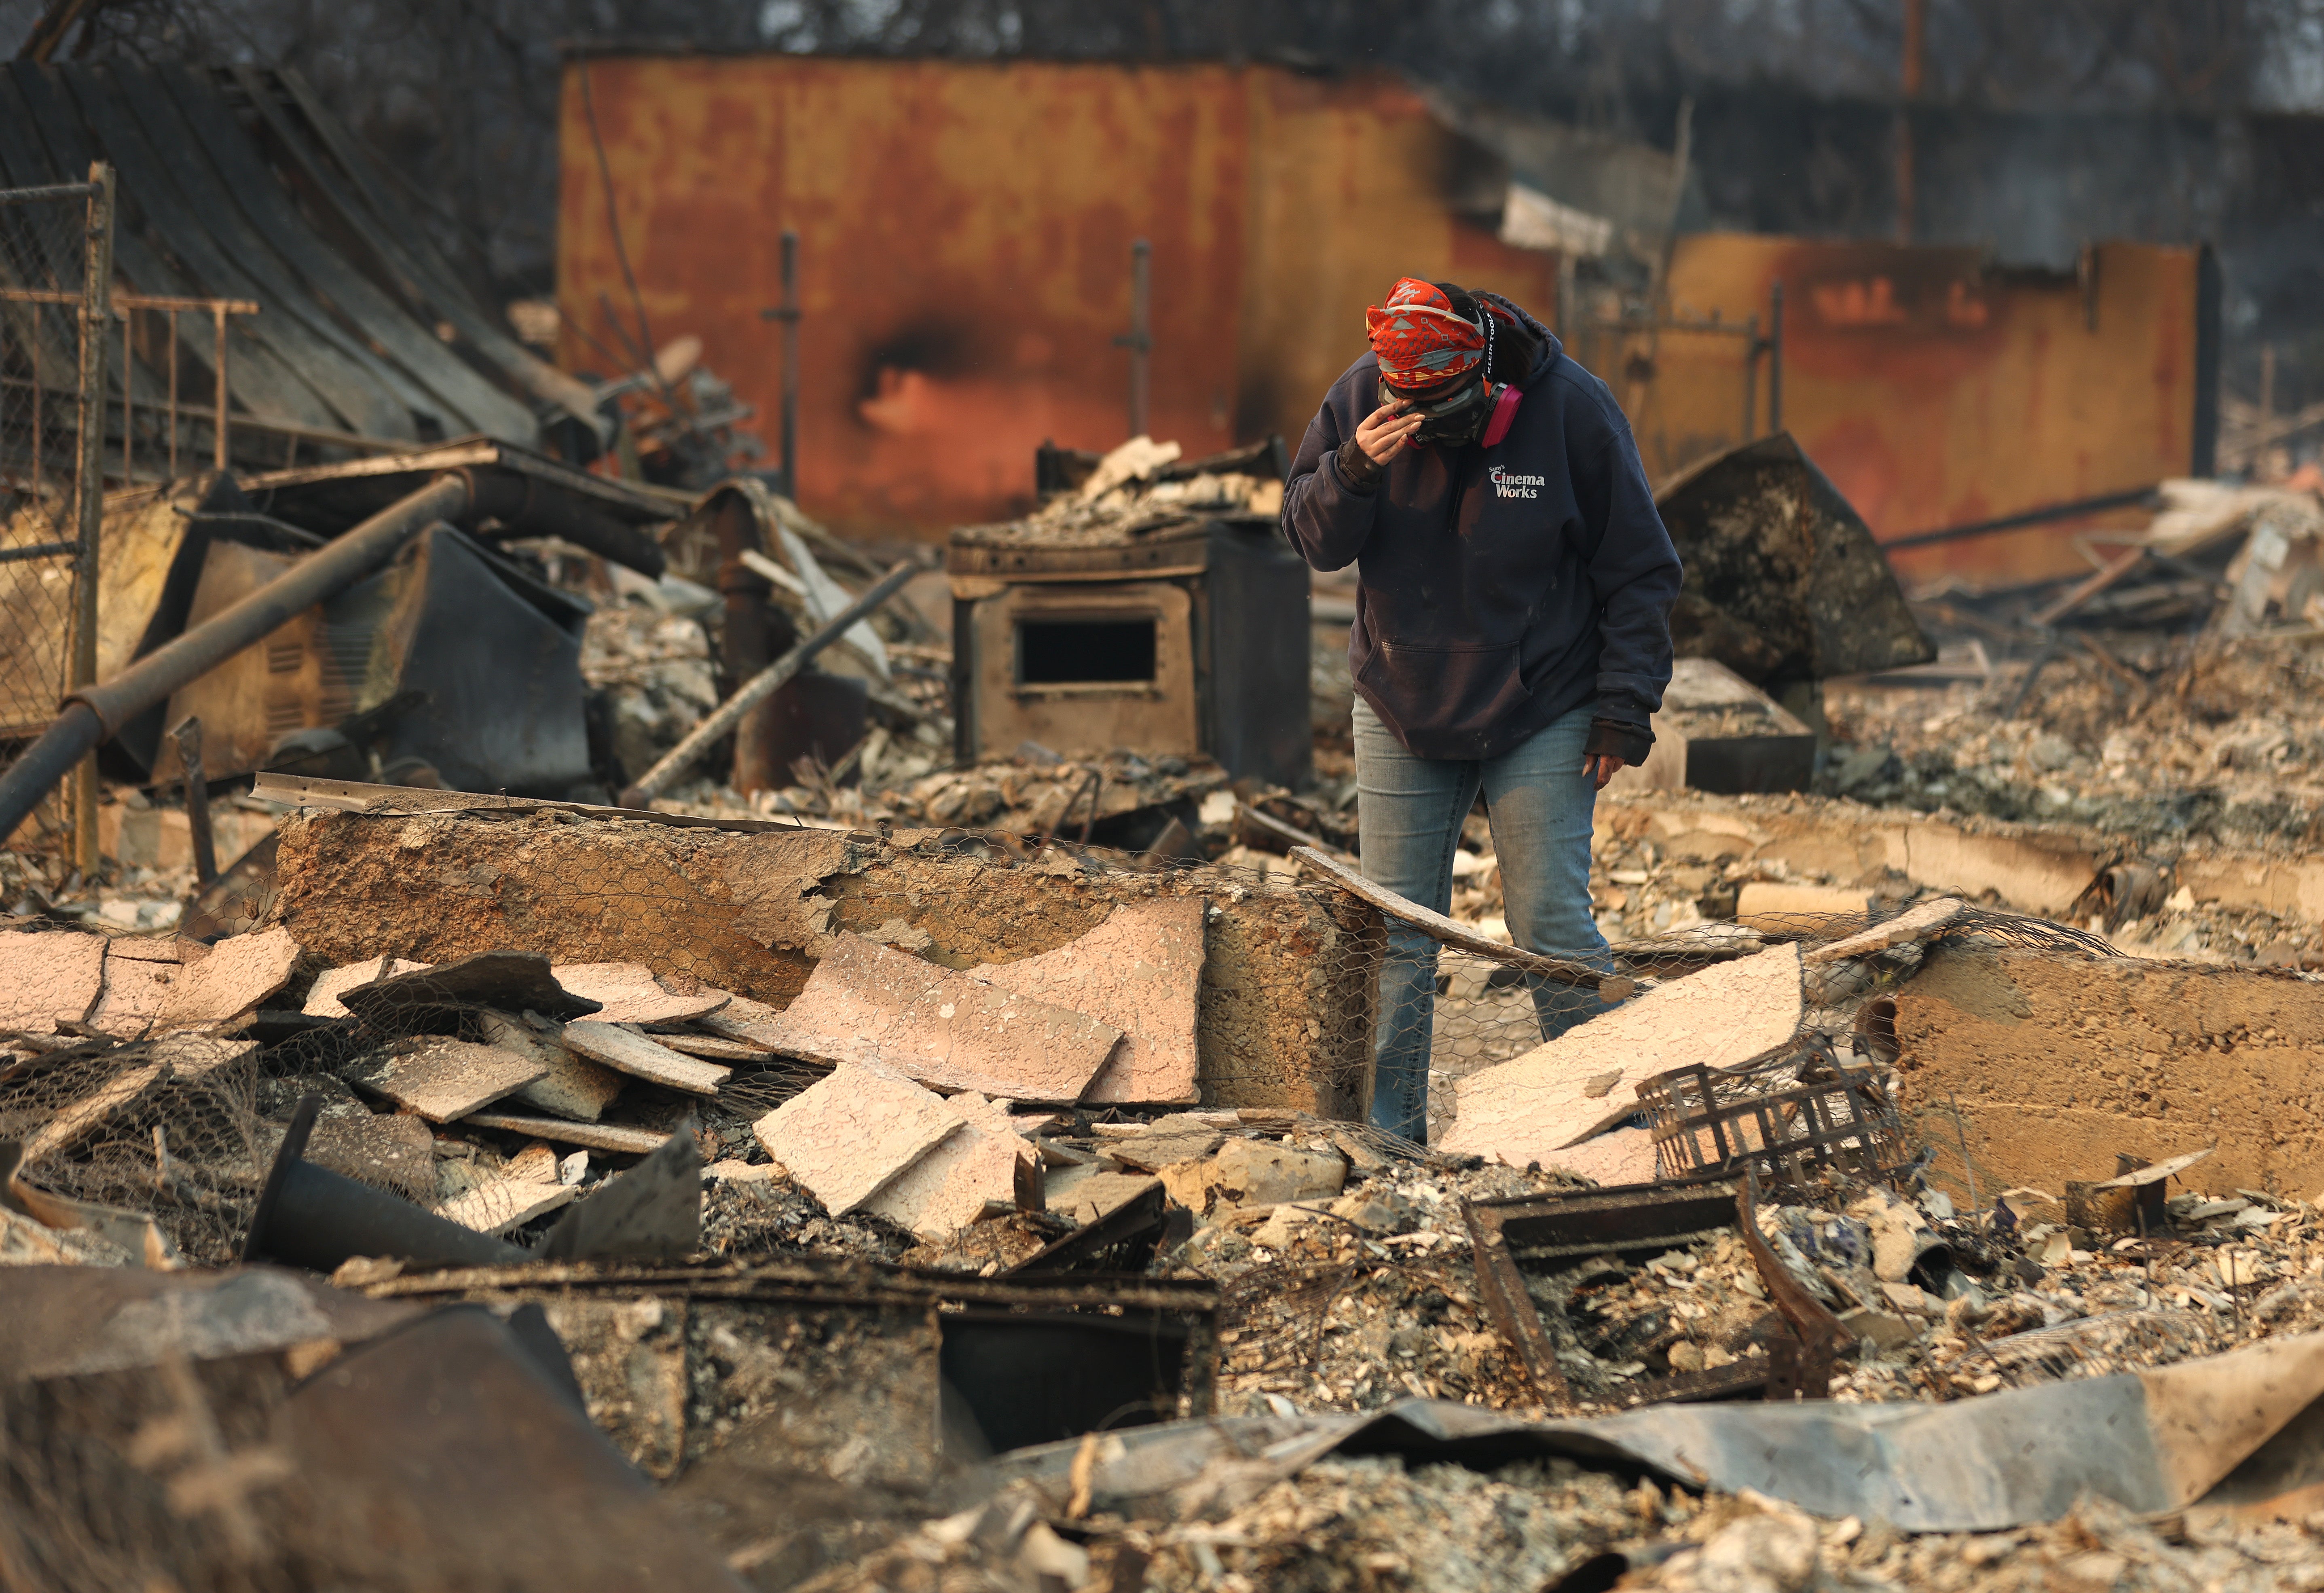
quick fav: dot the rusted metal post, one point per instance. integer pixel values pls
(1139, 340)
(1775, 356)
(89, 488)
(790, 318)
(189, 737)
(218, 364)
(169, 401)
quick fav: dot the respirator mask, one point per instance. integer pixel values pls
(1455, 418)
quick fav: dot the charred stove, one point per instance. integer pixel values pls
(1188, 637)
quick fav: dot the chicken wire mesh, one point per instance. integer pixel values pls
(52, 244)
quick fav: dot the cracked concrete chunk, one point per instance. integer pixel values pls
(986, 1165)
(626, 1051)
(49, 978)
(323, 996)
(444, 1079)
(631, 992)
(1530, 1109)
(571, 1087)
(867, 1004)
(846, 1138)
(1140, 971)
(605, 1136)
(228, 986)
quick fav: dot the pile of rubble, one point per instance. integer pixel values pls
(1139, 489)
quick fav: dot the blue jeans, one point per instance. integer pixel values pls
(1409, 812)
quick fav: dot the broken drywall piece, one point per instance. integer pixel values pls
(1179, 1137)
(626, 1051)
(1140, 971)
(139, 971)
(1530, 1109)
(631, 992)
(570, 1087)
(607, 1137)
(227, 987)
(47, 978)
(323, 996)
(507, 1202)
(986, 1165)
(444, 1079)
(866, 1004)
(1092, 1195)
(846, 1138)
(1915, 923)
(1626, 1155)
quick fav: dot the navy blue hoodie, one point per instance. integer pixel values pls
(1499, 588)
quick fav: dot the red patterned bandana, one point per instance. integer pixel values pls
(1420, 338)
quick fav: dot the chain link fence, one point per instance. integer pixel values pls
(55, 272)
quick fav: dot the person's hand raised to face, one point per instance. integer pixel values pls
(1383, 434)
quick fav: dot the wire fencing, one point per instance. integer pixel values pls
(55, 275)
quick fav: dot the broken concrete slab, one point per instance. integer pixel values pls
(47, 978)
(846, 1138)
(627, 1051)
(985, 1168)
(1528, 1109)
(2060, 1064)
(1285, 1007)
(444, 1080)
(866, 1003)
(569, 1086)
(225, 988)
(631, 992)
(510, 981)
(2032, 867)
(607, 1137)
(323, 996)
(1141, 971)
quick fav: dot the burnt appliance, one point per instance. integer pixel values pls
(1191, 640)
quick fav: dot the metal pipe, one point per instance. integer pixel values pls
(1776, 357)
(790, 319)
(759, 688)
(189, 737)
(89, 487)
(94, 713)
(1139, 340)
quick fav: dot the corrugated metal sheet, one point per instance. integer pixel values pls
(964, 258)
(1933, 390)
(235, 184)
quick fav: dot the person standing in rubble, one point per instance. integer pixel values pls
(1512, 630)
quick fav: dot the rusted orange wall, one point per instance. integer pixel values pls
(1934, 391)
(965, 251)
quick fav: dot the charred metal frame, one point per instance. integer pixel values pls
(1707, 1119)
(1630, 1218)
